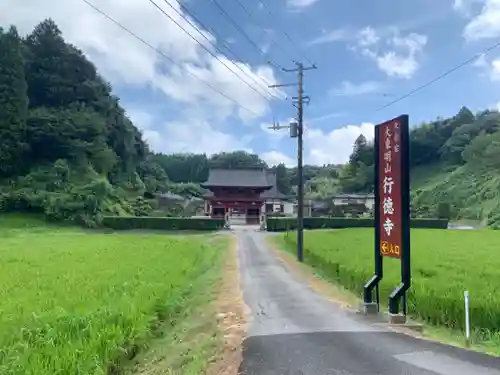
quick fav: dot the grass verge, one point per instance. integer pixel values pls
(74, 303)
(444, 264)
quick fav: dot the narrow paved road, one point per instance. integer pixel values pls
(294, 331)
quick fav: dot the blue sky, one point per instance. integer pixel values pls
(367, 53)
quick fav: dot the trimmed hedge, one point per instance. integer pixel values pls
(161, 223)
(284, 224)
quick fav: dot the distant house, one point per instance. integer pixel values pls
(167, 199)
(274, 200)
(368, 200)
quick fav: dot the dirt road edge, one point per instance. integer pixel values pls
(232, 316)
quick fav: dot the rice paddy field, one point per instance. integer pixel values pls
(73, 302)
(444, 264)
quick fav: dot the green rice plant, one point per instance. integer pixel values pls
(444, 264)
(79, 303)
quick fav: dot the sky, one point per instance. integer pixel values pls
(204, 89)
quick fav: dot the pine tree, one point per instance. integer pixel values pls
(13, 102)
(362, 153)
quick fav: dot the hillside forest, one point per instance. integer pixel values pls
(70, 152)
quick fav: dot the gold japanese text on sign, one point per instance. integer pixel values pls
(390, 209)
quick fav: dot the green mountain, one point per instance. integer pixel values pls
(454, 162)
(69, 151)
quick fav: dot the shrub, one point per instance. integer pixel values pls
(284, 224)
(161, 223)
(443, 210)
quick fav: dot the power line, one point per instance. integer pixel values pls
(292, 42)
(204, 47)
(253, 18)
(167, 57)
(215, 45)
(236, 26)
(441, 76)
(212, 31)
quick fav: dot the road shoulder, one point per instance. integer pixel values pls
(232, 317)
(349, 301)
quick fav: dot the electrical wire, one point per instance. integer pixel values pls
(241, 31)
(441, 76)
(287, 35)
(254, 20)
(236, 26)
(204, 47)
(161, 53)
(218, 37)
(265, 86)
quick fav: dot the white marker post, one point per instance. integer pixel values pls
(467, 322)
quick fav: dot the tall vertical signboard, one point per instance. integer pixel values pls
(392, 208)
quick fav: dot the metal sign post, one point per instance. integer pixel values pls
(392, 210)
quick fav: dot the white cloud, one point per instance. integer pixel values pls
(324, 117)
(401, 56)
(338, 35)
(395, 53)
(488, 68)
(480, 61)
(320, 147)
(495, 70)
(276, 157)
(495, 107)
(368, 37)
(352, 89)
(334, 147)
(300, 4)
(126, 61)
(144, 122)
(198, 136)
(485, 24)
(464, 7)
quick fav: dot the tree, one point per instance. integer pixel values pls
(443, 210)
(282, 179)
(58, 73)
(362, 152)
(236, 159)
(452, 149)
(13, 103)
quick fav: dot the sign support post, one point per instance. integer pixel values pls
(392, 212)
(371, 307)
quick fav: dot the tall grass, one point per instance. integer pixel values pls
(444, 264)
(76, 303)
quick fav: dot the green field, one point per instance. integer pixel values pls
(81, 303)
(444, 264)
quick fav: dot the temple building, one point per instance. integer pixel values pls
(244, 195)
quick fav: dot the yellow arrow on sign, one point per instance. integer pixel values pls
(384, 247)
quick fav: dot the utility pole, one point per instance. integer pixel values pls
(297, 131)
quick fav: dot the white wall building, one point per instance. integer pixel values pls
(345, 199)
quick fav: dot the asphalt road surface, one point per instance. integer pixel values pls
(294, 331)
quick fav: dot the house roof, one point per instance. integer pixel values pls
(272, 193)
(255, 178)
(172, 196)
(354, 196)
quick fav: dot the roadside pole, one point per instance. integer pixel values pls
(297, 131)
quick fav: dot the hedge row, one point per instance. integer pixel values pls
(162, 223)
(284, 224)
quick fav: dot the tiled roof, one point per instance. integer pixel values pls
(255, 178)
